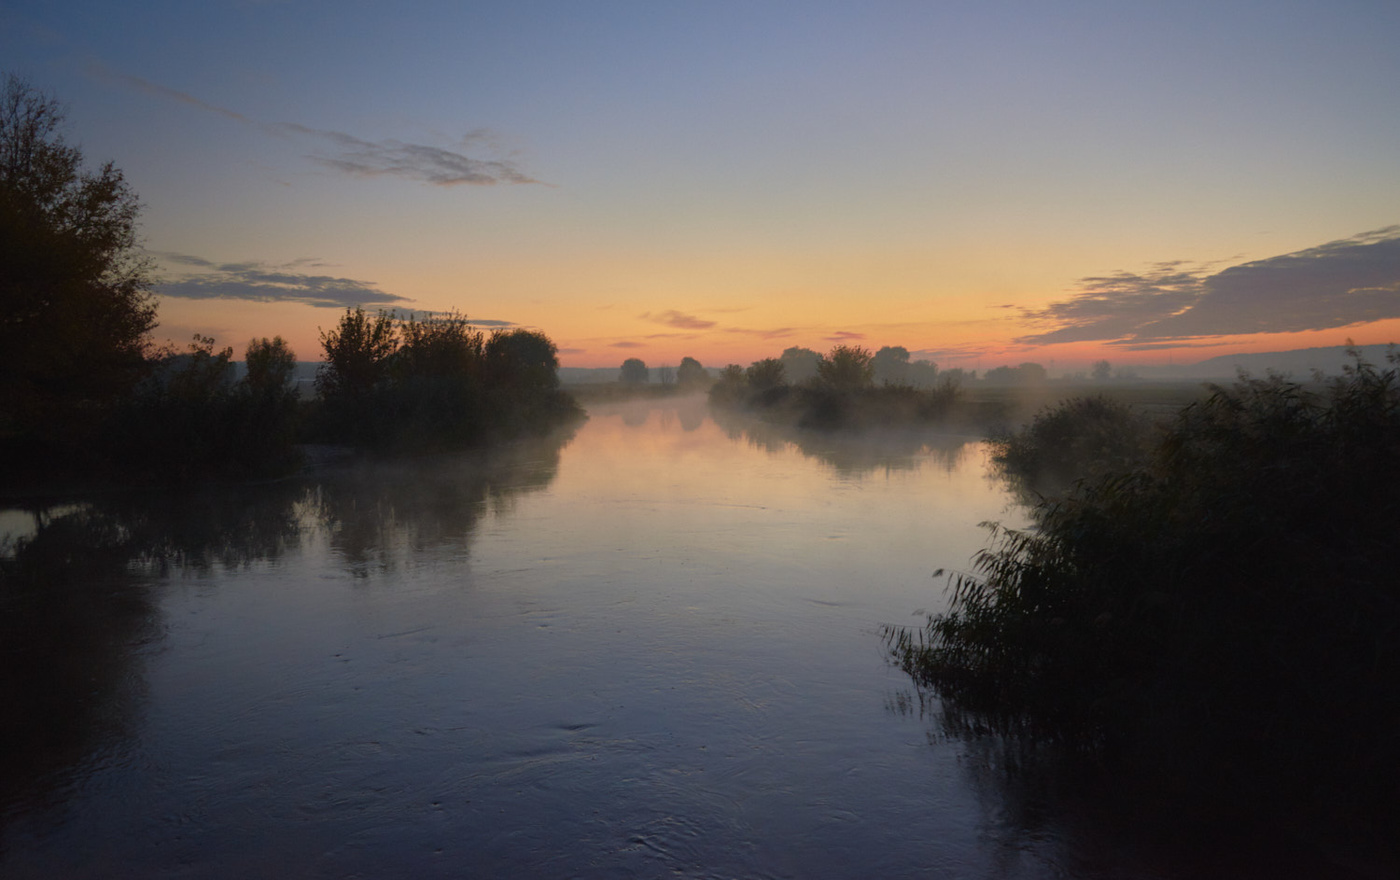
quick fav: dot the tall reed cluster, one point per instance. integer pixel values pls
(1224, 614)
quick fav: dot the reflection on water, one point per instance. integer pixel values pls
(852, 453)
(648, 649)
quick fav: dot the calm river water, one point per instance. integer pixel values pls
(648, 649)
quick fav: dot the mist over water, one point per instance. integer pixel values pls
(649, 647)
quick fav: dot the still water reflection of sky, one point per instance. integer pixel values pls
(648, 649)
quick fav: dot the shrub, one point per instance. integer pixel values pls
(1079, 438)
(1225, 615)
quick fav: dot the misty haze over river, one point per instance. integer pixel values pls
(646, 649)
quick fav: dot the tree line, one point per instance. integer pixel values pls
(85, 392)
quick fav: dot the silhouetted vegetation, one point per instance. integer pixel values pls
(438, 383)
(840, 392)
(634, 372)
(1223, 618)
(75, 291)
(690, 374)
(1078, 438)
(84, 396)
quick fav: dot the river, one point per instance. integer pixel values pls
(650, 648)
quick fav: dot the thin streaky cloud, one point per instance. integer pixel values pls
(773, 333)
(160, 91)
(356, 156)
(673, 318)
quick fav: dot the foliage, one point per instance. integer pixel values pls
(522, 359)
(765, 374)
(634, 372)
(846, 367)
(691, 374)
(1022, 374)
(891, 365)
(800, 364)
(1079, 438)
(191, 419)
(270, 364)
(1225, 616)
(358, 353)
(76, 308)
(1101, 371)
(436, 383)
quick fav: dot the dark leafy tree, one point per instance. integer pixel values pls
(270, 364)
(522, 359)
(690, 373)
(800, 364)
(439, 346)
(891, 365)
(358, 353)
(634, 372)
(923, 374)
(1101, 371)
(847, 367)
(76, 308)
(765, 374)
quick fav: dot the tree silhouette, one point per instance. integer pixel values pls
(634, 372)
(891, 365)
(1101, 371)
(76, 308)
(270, 364)
(800, 364)
(357, 353)
(690, 373)
(522, 360)
(846, 367)
(765, 374)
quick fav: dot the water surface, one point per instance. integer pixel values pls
(649, 648)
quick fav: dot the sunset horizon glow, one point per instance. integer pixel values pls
(982, 184)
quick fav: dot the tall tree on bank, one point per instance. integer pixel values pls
(76, 308)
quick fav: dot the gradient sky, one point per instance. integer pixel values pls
(981, 182)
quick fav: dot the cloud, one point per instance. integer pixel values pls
(773, 333)
(258, 282)
(1350, 281)
(392, 158)
(673, 318)
(625, 345)
(356, 156)
(844, 336)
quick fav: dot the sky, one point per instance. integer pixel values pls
(982, 183)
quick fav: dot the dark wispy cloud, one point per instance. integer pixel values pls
(1350, 281)
(356, 156)
(625, 345)
(191, 277)
(844, 336)
(673, 318)
(392, 158)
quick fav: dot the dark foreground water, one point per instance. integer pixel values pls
(651, 649)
